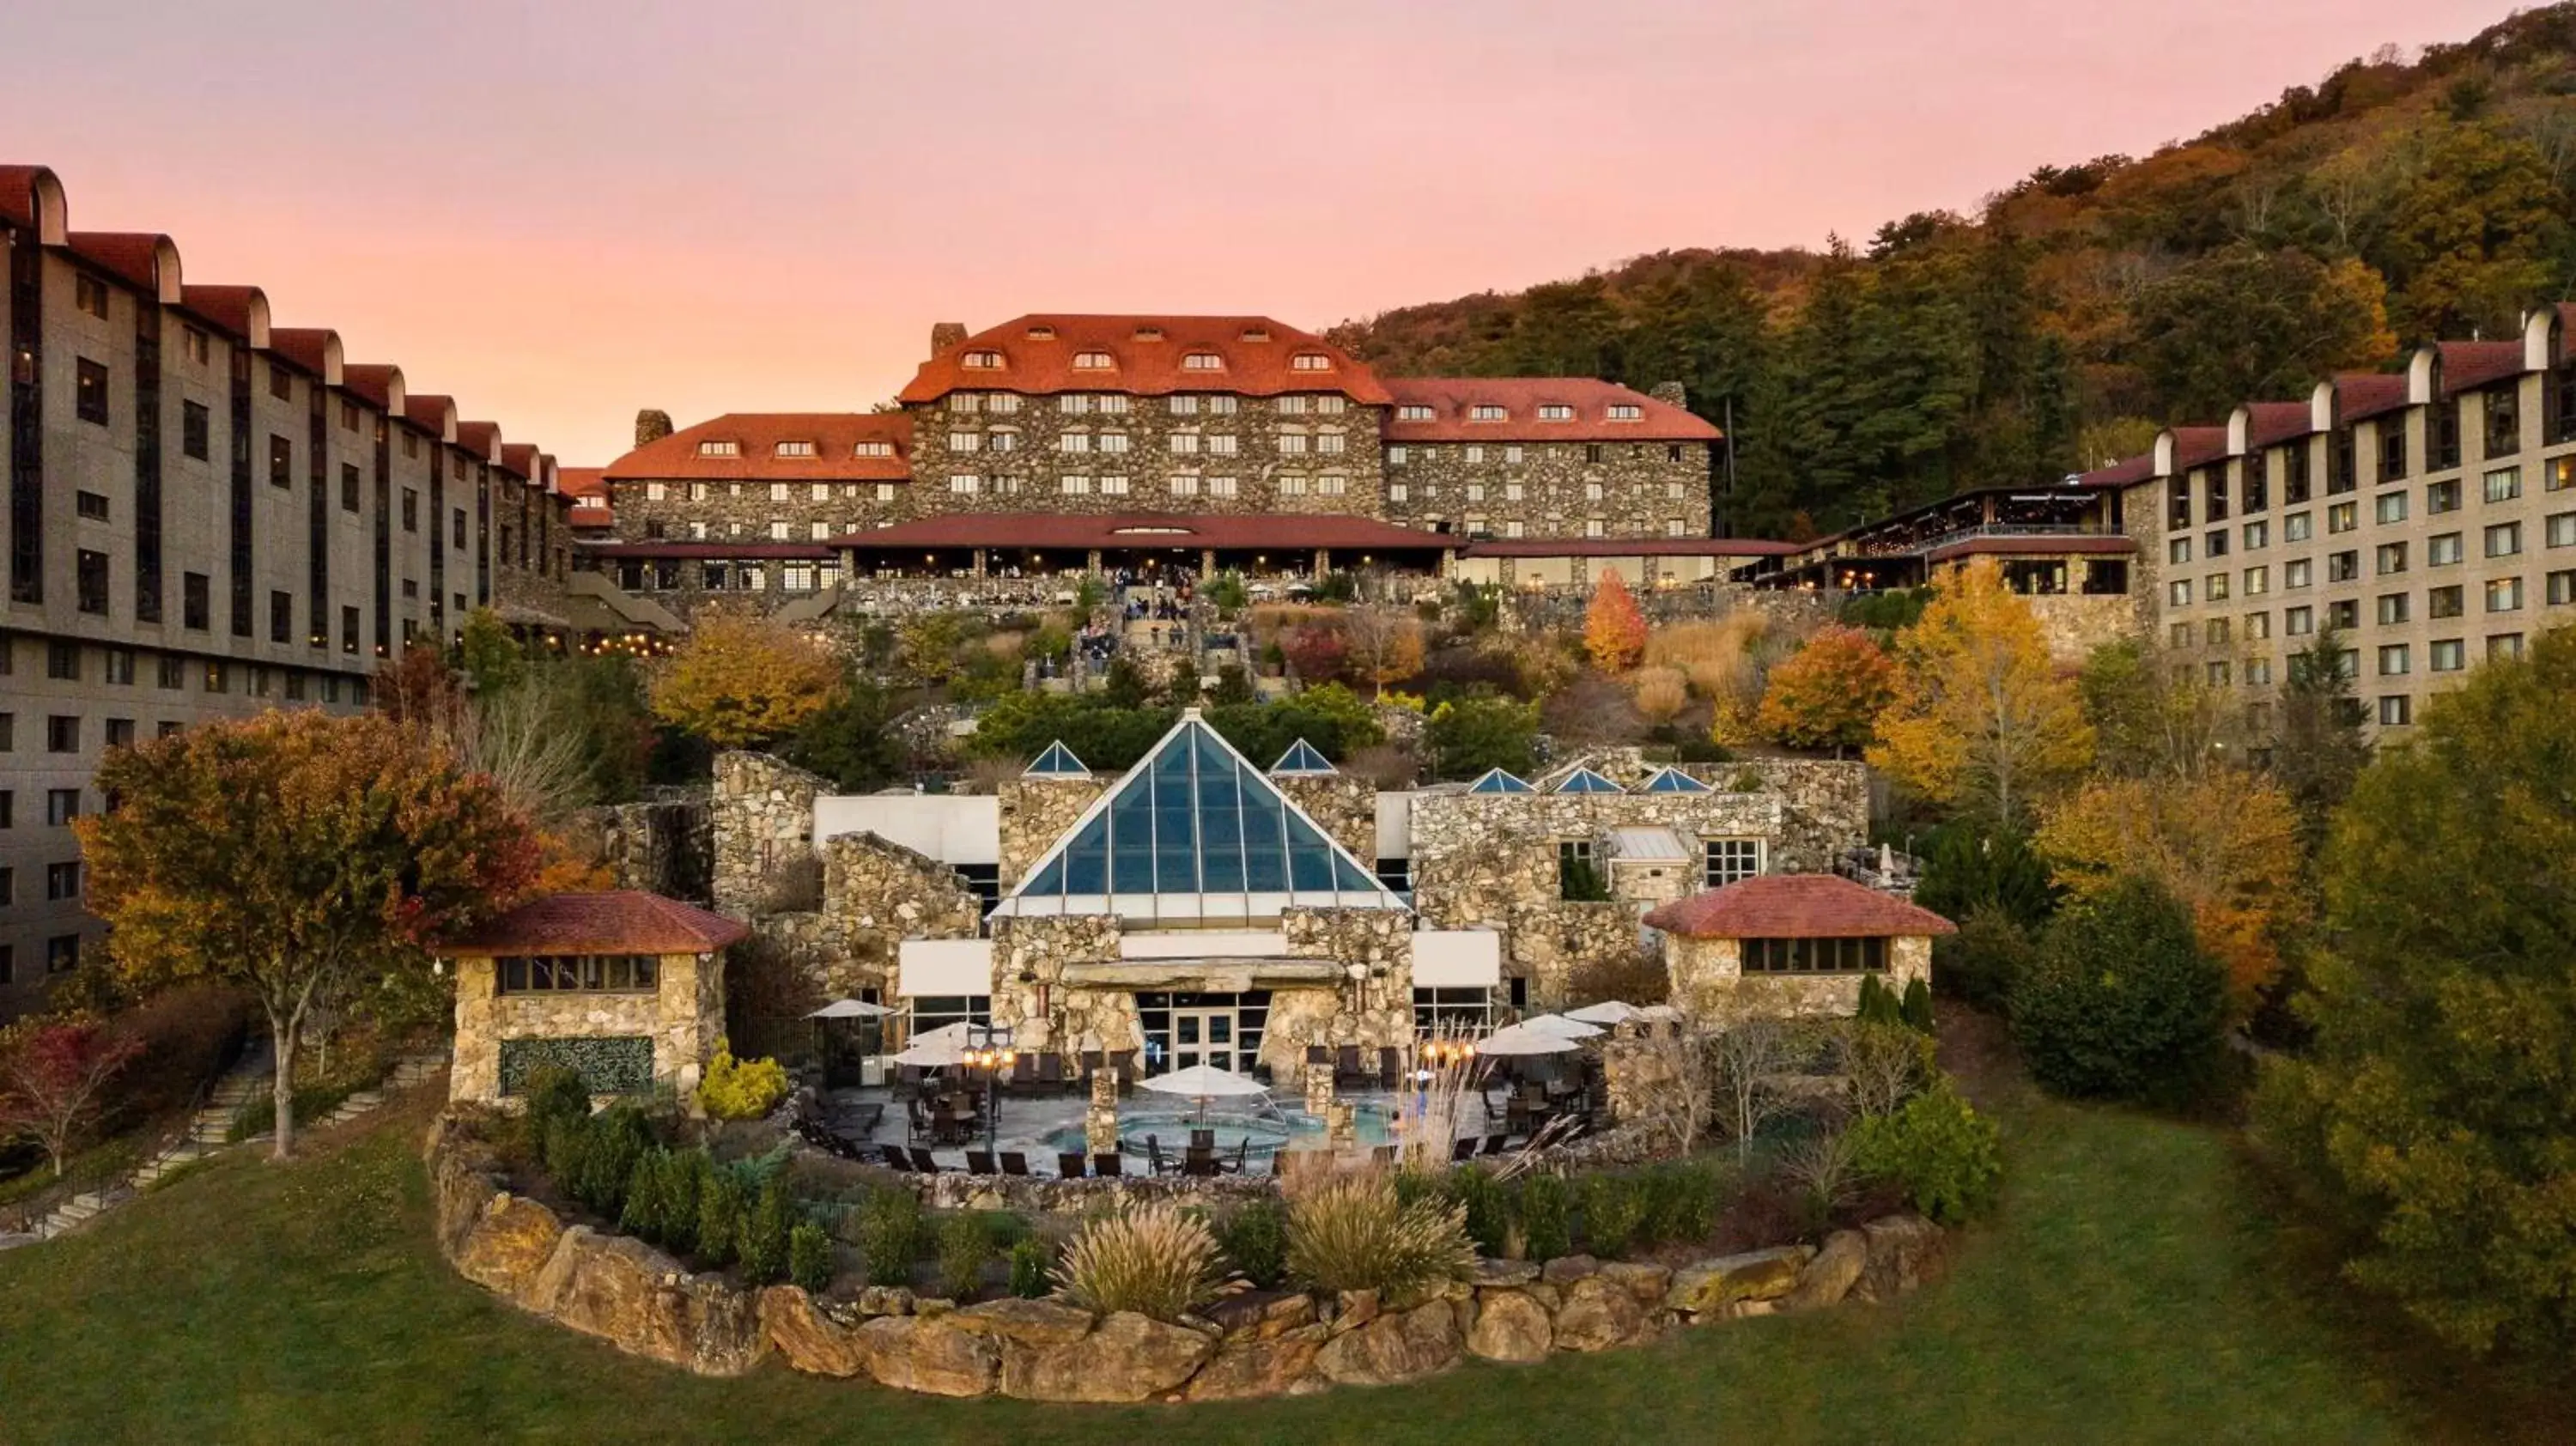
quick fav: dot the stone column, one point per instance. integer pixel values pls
(1319, 1089)
(979, 564)
(1091, 562)
(1342, 1126)
(1207, 564)
(1100, 1121)
(1323, 563)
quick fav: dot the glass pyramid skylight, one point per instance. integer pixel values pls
(1584, 780)
(1057, 762)
(1303, 759)
(1497, 781)
(1673, 780)
(1192, 833)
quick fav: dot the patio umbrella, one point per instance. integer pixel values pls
(1204, 1082)
(1560, 1025)
(1522, 1039)
(850, 1009)
(1608, 1011)
(946, 1045)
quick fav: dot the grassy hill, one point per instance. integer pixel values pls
(2395, 201)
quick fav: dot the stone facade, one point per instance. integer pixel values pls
(1346, 807)
(2074, 624)
(683, 1016)
(1709, 983)
(1515, 488)
(761, 819)
(1035, 813)
(659, 846)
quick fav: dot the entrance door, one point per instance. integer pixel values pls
(1203, 1036)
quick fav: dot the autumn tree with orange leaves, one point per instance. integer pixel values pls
(294, 854)
(740, 681)
(1614, 631)
(1829, 693)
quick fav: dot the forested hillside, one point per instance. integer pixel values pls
(2087, 304)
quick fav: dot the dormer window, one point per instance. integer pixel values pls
(1149, 333)
(1486, 412)
(719, 449)
(1092, 360)
(1555, 412)
(981, 361)
(873, 449)
(1256, 333)
(1041, 333)
(795, 449)
(1625, 411)
(1413, 412)
(1202, 361)
(1310, 361)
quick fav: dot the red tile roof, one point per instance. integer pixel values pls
(520, 458)
(1283, 533)
(1451, 398)
(372, 382)
(756, 435)
(585, 482)
(2269, 424)
(2195, 445)
(229, 308)
(482, 439)
(308, 347)
(2128, 473)
(1628, 547)
(1796, 906)
(585, 515)
(711, 551)
(132, 256)
(2367, 394)
(429, 412)
(1038, 351)
(18, 194)
(2035, 544)
(625, 921)
(2468, 365)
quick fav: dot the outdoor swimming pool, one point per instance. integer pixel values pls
(1260, 1135)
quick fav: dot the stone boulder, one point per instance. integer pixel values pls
(935, 1356)
(1037, 1324)
(1393, 1348)
(507, 1245)
(640, 1300)
(1567, 1269)
(1598, 1313)
(1261, 1315)
(1511, 1326)
(1496, 1274)
(1711, 1286)
(1247, 1366)
(1641, 1279)
(1128, 1357)
(808, 1339)
(463, 1177)
(1830, 1276)
(1904, 1251)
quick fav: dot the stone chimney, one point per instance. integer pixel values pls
(946, 334)
(651, 426)
(1671, 394)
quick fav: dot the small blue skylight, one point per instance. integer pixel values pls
(1057, 762)
(1584, 780)
(1303, 759)
(1673, 780)
(1497, 781)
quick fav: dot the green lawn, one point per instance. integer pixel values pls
(2126, 1292)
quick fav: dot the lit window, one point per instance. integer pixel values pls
(2504, 595)
(965, 484)
(1625, 411)
(1413, 412)
(1310, 361)
(1113, 486)
(1091, 361)
(2504, 484)
(2446, 655)
(2504, 539)
(873, 449)
(795, 449)
(1197, 361)
(720, 449)
(1486, 412)
(1075, 486)
(981, 361)
(2258, 580)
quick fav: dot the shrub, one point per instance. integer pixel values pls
(1877, 1003)
(965, 1248)
(646, 1208)
(1612, 1206)
(890, 1236)
(2121, 1002)
(1485, 1207)
(741, 1089)
(562, 1148)
(763, 1247)
(1030, 1259)
(1152, 1259)
(1680, 1204)
(1352, 1233)
(1547, 1217)
(1983, 961)
(1916, 1010)
(610, 1145)
(685, 1174)
(720, 1216)
(1825, 1168)
(1255, 1238)
(809, 1257)
(1937, 1149)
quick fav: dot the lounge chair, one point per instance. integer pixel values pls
(922, 1164)
(1014, 1163)
(1154, 1155)
(1242, 1156)
(980, 1162)
(895, 1158)
(1051, 1073)
(1068, 1164)
(1106, 1167)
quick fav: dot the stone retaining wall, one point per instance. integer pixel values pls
(646, 1303)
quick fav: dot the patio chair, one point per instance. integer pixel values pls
(1106, 1167)
(1463, 1148)
(922, 1164)
(1242, 1157)
(895, 1158)
(1154, 1155)
(1390, 1068)
(1346, 1065)
(980, 1162)
(1068, 1164)
(1494, 1143)
(1014, 1163)
(916, 1119)
(1051, 1073)
(1199, 1162)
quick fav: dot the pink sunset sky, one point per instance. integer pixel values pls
(560, 212)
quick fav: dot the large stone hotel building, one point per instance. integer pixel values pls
(209, 515)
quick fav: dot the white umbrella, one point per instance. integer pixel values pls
(1521, 1039)
(1560, 1026)
(947, 1045)
(1608, 1011)
(1205, 1081)
(850, 1009)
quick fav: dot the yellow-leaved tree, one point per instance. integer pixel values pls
(1981, 720)
(738, 681)
(2225, 843)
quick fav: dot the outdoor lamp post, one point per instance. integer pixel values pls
(990, 1055)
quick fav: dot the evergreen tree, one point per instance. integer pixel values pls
(2319, 749)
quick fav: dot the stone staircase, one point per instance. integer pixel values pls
(210, 1130)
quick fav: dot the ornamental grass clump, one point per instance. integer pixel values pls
(1154, 1260)
(1353, 1233)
